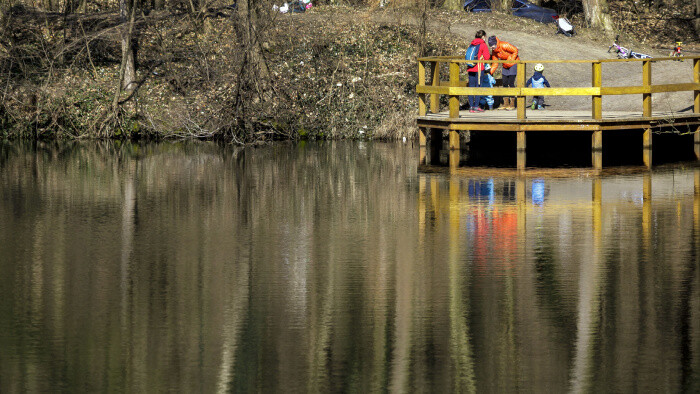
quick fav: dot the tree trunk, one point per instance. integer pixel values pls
(248, 29)
(502, 5)
(454, 5)
(127, 12)
(598, 14)
(127, 69)
(697, 17)
(422, 7)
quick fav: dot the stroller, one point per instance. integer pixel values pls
(564, 26)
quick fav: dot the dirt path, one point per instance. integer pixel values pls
(556, 46)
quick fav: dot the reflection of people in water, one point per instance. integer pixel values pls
(538, 191)
(482, 190)
(493, 223)
(488, 190)
(495, 237)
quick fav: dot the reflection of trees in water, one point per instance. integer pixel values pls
(295, 267)
(689, 347)
(551, 293)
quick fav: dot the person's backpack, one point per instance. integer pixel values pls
(472, 53)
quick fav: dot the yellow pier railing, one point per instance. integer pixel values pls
(431, 82)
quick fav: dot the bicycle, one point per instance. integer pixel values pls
(637, 55)
(624, 53)
(677, 50)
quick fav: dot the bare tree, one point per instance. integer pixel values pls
(248, 30)
(422, 7)
(253, 83)
(452, 5)
(502, 5)
(597, 14)
(127, 69)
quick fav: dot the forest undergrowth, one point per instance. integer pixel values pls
(335, 72)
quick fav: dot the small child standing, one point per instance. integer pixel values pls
(538, 81)
(487, 81)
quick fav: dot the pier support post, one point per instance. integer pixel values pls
(521, 160)
(520, 154)
(422, 108)
(453, 159)
(454, 82)
(521, 140)
(646, 143)
(454, 149)
(597, 159)
(434, 97)
(646, 82)
(646, 147)
(597, 140)
(596, 82)
(520, 83)
(696, 139)
(696, 79)
(422, 136)
(454, 140)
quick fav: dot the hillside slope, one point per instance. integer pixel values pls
(336, 72)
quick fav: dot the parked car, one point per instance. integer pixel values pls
(522, 8)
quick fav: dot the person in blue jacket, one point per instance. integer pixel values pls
(537, 80)
(487, 81)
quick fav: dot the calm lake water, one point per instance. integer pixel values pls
(317, 267)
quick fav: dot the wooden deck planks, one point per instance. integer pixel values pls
(556, 120)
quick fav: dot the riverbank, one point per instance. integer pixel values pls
(335, 73)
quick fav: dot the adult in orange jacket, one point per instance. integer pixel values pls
(501, 50)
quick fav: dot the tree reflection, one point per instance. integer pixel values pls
(336, 267)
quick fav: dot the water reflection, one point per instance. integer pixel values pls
(339, 267)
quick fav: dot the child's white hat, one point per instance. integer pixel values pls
(539, 67)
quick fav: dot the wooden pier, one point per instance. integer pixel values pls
(433, 120)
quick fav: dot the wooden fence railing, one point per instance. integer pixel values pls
(430, 82)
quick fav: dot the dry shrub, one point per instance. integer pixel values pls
(397, 125)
